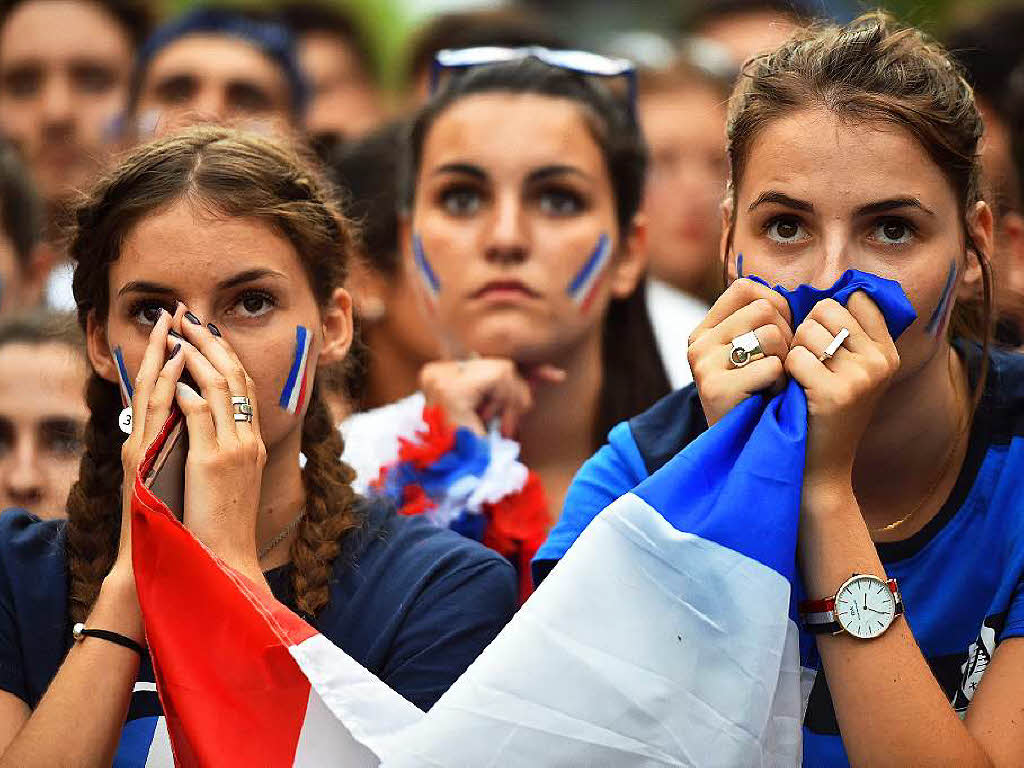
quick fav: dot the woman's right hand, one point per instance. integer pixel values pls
(473, 392)
(154, 392)
(744, 306)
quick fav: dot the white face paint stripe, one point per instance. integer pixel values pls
(582, 285)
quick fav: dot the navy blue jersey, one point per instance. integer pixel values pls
(960, 576)
(413, 603)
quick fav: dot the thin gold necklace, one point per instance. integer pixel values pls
(267, 548)
(943, 468)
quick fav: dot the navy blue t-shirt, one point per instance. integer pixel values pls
(413, 603)
(961, 576)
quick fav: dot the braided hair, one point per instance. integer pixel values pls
(230, 174)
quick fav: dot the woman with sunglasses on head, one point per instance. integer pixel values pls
(157, 299)
(856, 148)
(521, 225)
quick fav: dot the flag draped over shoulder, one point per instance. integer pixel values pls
(664, 637)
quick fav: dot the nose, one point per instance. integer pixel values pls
(57, 108)
(24, 479)
(507, 238)
(836, 256)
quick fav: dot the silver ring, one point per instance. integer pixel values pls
(247, 409)
(832, 348)
(745, 349)
(239, 400)
(239, 416)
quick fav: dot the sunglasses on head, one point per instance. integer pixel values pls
(581, 62)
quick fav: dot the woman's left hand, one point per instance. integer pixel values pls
(224, 469)
(842, 392)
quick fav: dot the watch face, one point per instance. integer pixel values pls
(865, 606)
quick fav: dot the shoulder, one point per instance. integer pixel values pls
(1003, 401)
(410, 555)
(668, 426)
(26, 542)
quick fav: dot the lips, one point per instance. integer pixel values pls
(505, 289)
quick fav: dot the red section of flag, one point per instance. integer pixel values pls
(516, 527)
(231, 692)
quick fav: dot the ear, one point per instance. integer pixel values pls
(42, 261)
(97, 346)
(336, 324)
(980, 225)
(369, 290)
(628, 268)
(724, 244)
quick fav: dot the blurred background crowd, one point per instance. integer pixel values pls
(81, 80)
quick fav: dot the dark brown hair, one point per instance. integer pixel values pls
(874, 70)
(228, 174)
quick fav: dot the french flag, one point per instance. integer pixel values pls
(665, 636)
(583, 287)
(294, 393)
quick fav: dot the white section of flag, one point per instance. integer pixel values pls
(644, 647)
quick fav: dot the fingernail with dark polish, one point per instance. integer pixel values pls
(175, 334)
(213, 329)
(176, 350)
(193, 319)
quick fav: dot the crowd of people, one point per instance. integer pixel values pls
(416, 335)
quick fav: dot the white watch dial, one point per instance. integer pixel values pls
(865, 606)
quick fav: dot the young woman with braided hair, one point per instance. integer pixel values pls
(220, 255)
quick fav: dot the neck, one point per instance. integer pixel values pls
(557, 434)
(392, 371)
(281, 498)
(912, 451)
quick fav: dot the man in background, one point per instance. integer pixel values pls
(218, 65)
(682, 109)
(345, 100)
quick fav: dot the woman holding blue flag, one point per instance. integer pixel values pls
(853, 169)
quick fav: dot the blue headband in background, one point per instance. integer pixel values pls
(273, 40)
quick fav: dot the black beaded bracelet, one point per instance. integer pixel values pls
(79, 633)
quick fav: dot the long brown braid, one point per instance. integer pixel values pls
(230, 174)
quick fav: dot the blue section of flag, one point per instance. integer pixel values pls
(592, 263)
(423, 265)
(119, 356)
(136, 739)
(293, 375)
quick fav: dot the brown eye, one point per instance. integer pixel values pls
(893, 232)
(785, 229)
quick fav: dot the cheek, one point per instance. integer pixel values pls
(590, 276)
(282, 371)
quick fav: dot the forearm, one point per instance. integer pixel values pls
(887, 702)
(80, 718)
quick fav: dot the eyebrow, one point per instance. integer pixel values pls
(248, 276)
(892, 204)
(781, 198)
(535, 176)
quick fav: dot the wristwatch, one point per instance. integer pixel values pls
(864, 606)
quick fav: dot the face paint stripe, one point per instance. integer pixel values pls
(586, 279)
(429, 277)
(739, 265)
(301, 348)
(122, 374)
(305, 377)
(295, 401)
(937, 321)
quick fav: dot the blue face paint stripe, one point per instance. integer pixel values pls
(947, 296)
(420, 257)
(123, 371)
(739, 265)
(293, 374)
(590, 265)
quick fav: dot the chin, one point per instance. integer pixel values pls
(515, 341)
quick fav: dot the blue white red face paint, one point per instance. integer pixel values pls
(122, 377)
(428, 277)
(294, 393)
(937, 322)
(584, 285)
